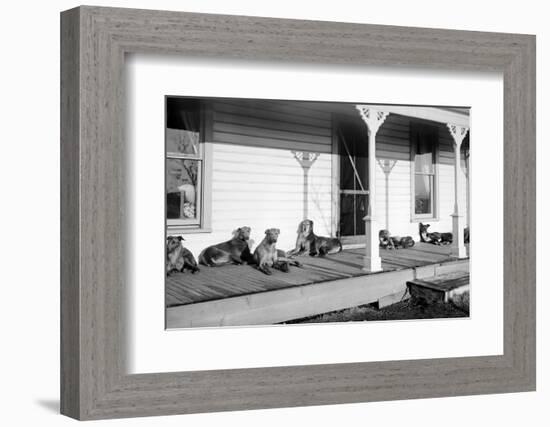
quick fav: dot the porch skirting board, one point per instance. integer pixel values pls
(302, 301)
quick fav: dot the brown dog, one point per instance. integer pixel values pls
(179, 258)
(234, 251)
(266, 254)
(308, 242)
(467, 235)
(435, 237)
(386, 240)
(394, 242)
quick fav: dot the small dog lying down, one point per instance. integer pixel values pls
(266, 255)
(308, 242)
(435, 238)
(234, 251)
(394, 242)
(178, 258)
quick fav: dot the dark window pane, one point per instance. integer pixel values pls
(353, 208)
(423, 193)
(353, 149)
(182, 188)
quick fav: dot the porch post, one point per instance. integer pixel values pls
(373, 119)
(458, 249)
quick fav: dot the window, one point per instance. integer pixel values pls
(184, 163)
(424, 142)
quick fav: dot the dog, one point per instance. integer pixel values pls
(394, 242)
(308, 242)
(234, 251)
(179, 258)
(267, 256)
(434, 238)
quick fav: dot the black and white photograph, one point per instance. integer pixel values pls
(289, 212)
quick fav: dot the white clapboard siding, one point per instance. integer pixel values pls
(394, 212)
(256, 181)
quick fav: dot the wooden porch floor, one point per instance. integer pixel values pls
(214, 283)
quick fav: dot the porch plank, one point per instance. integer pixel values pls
(216, 283)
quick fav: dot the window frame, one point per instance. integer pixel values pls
(202, 222)
(434, 215)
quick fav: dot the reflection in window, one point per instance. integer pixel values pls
(182, 188)
(424, 140)
(423, 190)
(184, 158)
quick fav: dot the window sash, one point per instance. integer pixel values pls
(431, 195)
(198, 198)
(430, 171)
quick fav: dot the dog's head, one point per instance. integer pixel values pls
(423, 231)
(242, 233)
(383, 234)
(305, 227)
(272, 234)
(172, 242)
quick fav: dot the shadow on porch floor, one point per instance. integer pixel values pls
(213, 283)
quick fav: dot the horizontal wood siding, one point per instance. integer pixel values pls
(256, 181)
(392, 143)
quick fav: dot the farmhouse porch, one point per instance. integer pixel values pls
(241, 295)
(458, 126)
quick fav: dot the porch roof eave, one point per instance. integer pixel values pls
(441, 115)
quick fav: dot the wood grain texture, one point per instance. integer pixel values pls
(94, 380)
(70, 314)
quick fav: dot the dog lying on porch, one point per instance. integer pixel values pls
(179, 258)
(388, 241)
(434, 238)
(308, 242)
(267, 256)
(233, 251)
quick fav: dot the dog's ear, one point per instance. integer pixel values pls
(180, 238)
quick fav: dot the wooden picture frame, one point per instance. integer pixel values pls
(94, 382)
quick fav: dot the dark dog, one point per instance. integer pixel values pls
(403, 242)
(434, 238)
(386, 240)
(267, 256)
(394, 242)
(308, 242)
(234, 251)
(179, 258)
